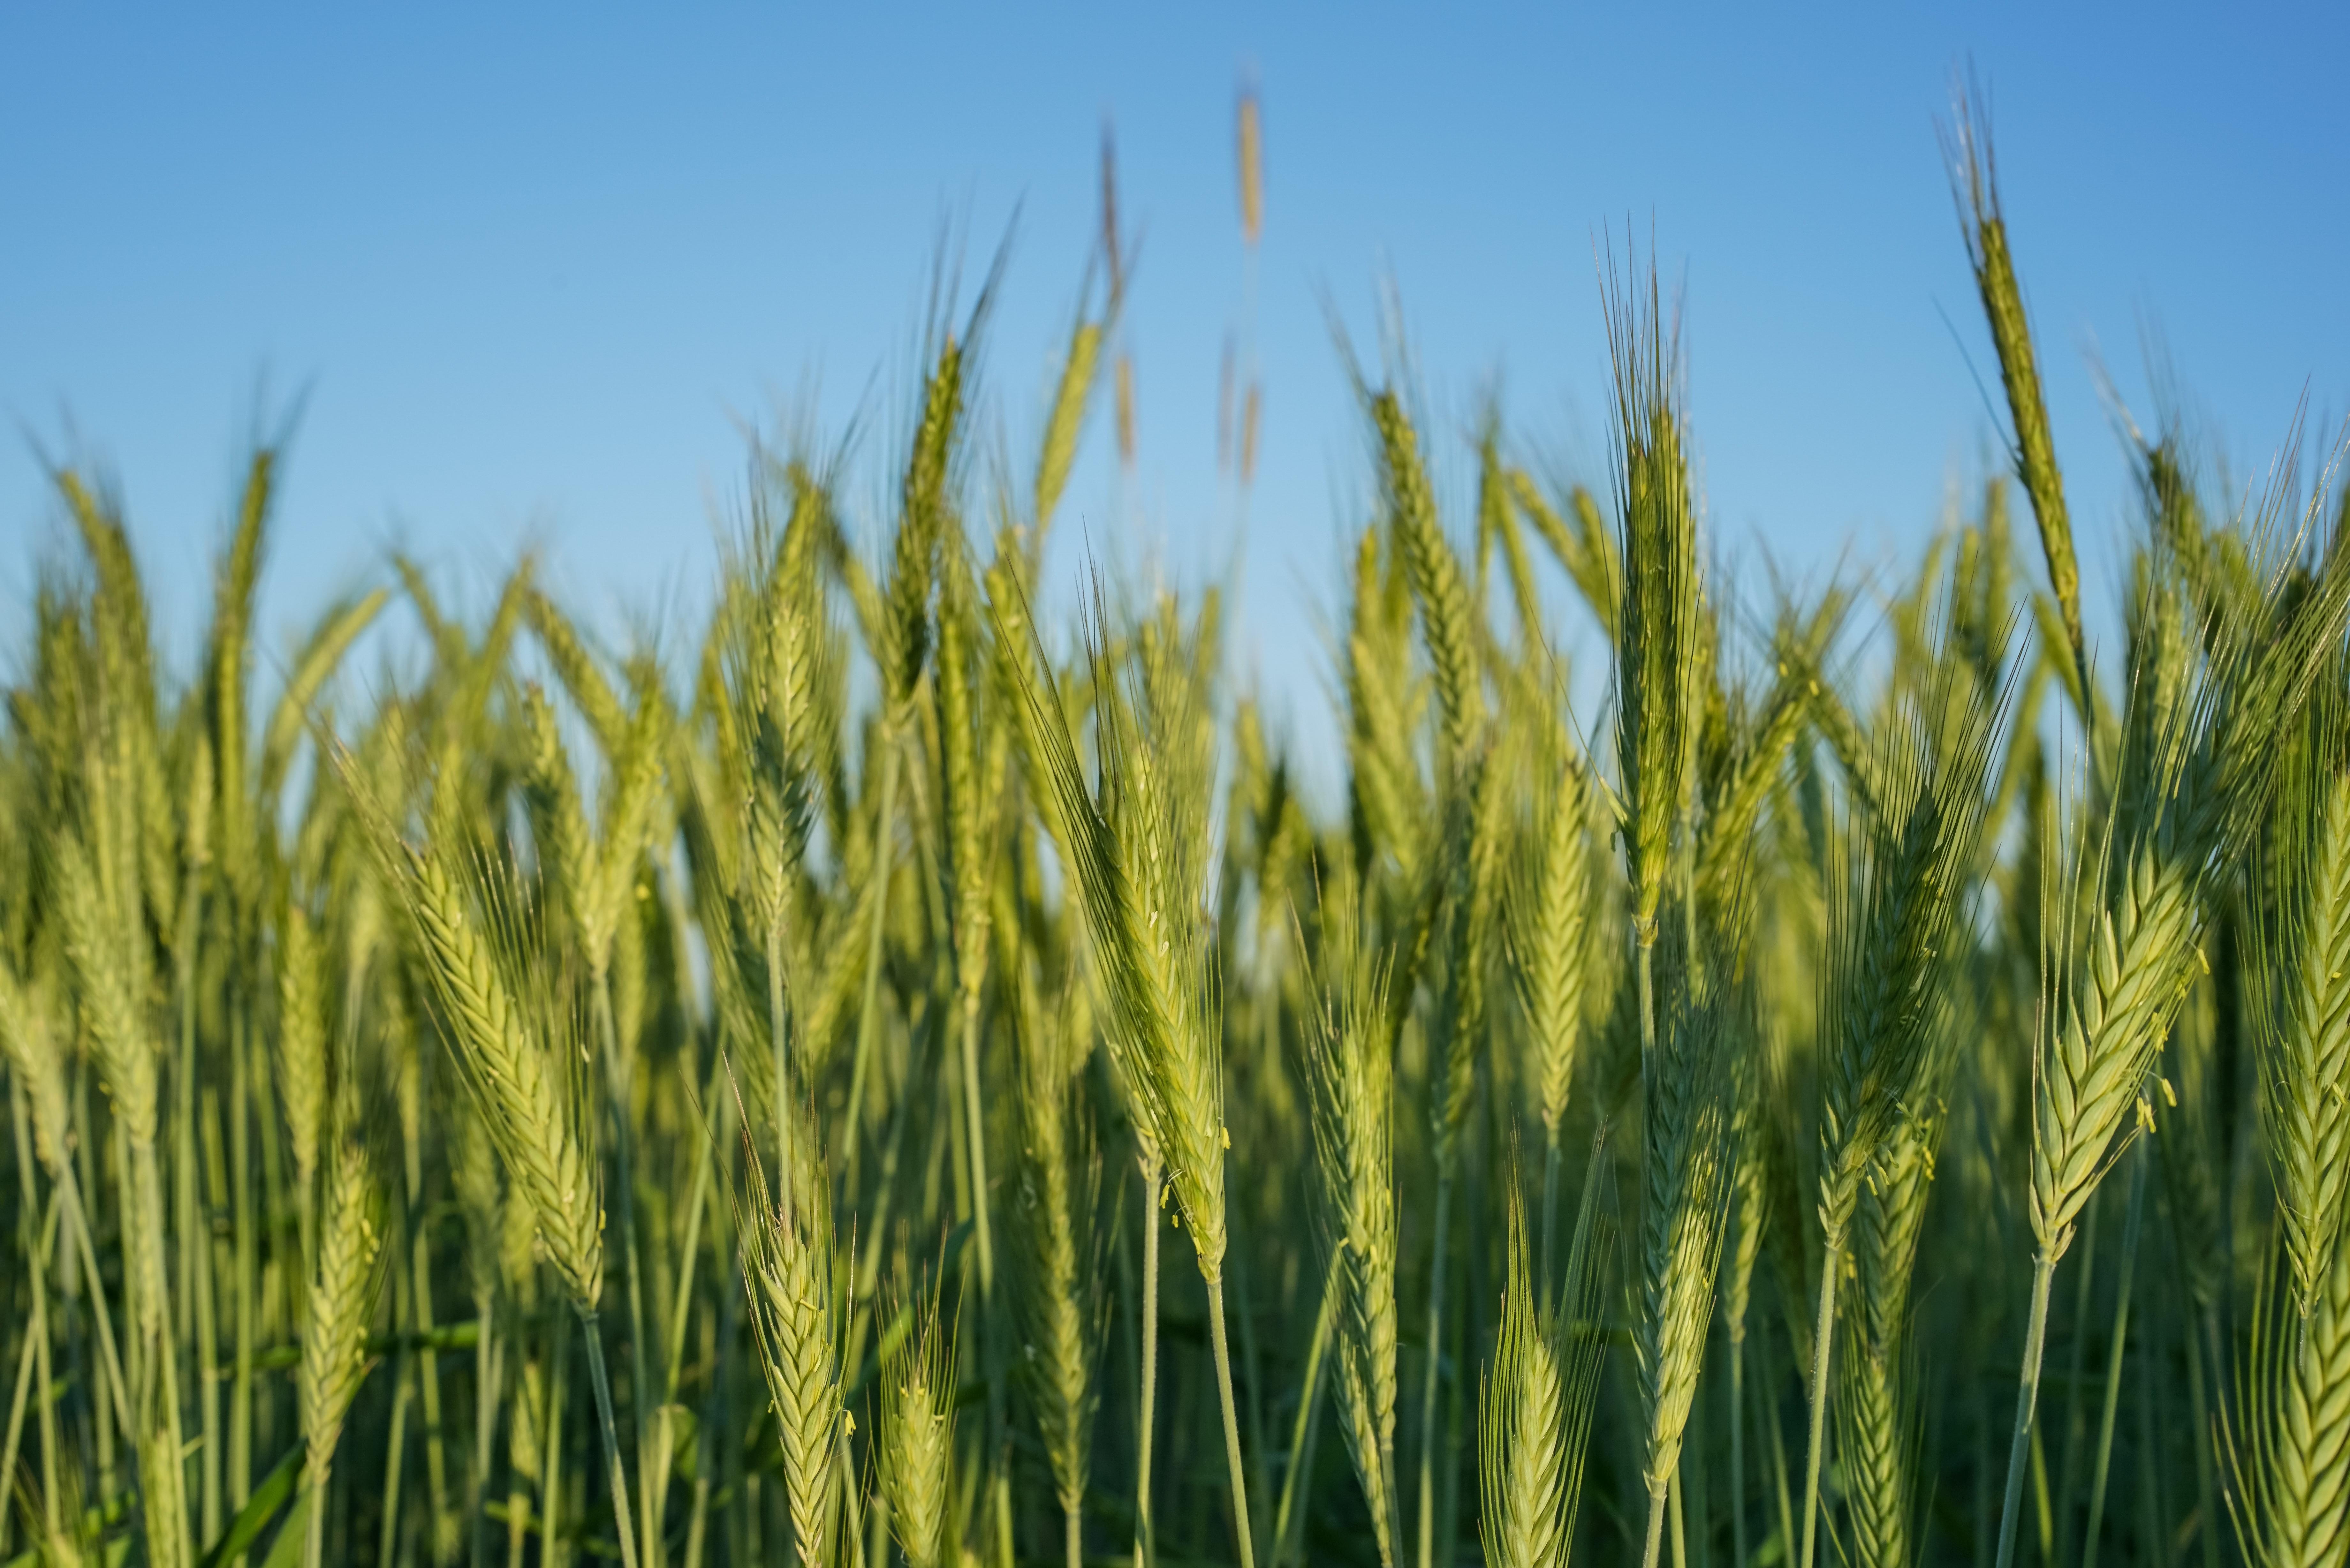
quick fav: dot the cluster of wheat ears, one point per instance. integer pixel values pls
(537, 1101)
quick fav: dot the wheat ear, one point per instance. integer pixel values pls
(2295, 1508)
(1352, 1080)
(788, 1264)
(1535, 1417)
(1059, 1281)
(342, 1299)
(1893, 919)
(2301, 994)
(1687, 1159)
(918, 1406)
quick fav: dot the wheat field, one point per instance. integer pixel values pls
(902, 1075)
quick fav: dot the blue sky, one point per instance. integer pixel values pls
(536, 268)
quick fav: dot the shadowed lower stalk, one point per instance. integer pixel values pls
(1309, 1417)
(2089, 1541)
(1146, 1547)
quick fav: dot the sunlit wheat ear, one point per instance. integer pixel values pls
(510, 1047)
(1974, 181)
(1057, 454)
(1549, 926)
(916, 1458)
(787, 1261)
(32, 1042)
(1538, 1399)
(1898, 909)
(1387, 789)
(1352, 1080)
(1128, 858)
(1057, 1277)
(1686, 1164)
(577, 670)
(302, 1039)
(2191, 797)
(1660, 626)
(1437, 580)
(1876, 1412)
(341, 1302)
(970, 797)
(2295, 1481)
(1522, 1470)
(2300, 990)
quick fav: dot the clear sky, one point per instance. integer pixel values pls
(533, 268)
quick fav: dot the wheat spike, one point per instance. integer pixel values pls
(1549, 924)
(1057, 454)
(1687, 1161)
(302, 1039)
(1522, 1466)
(1436, 579)
(1352, 1080)
(918, 1396)
(787, 1255)
(2301, 997)
(1058, 1283)
(1659, 624)
(1538, 1398)
(341, 1305)
(2294, 1511)
(1974, 182)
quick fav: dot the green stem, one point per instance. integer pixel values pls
(252, 1058)
(396, 1443)
(1658, 1507)
(313, 1533)
(2114, 1364)
(2027, 1395)
(1549, 1206)
(1766, 1415)
(1738, 1446)
(1232, 1421)
(1677, 1502)
(29, 1359)
(2206, 1485)
(2077, 1372)
(1427, 1384)
(485, 1422)
(869, 1015)
(613, 1468)
(1146, 1545)
(1309, 1408)
(550, 1480)
(617, 1077)
(975, 1139)
(1823, 1347)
